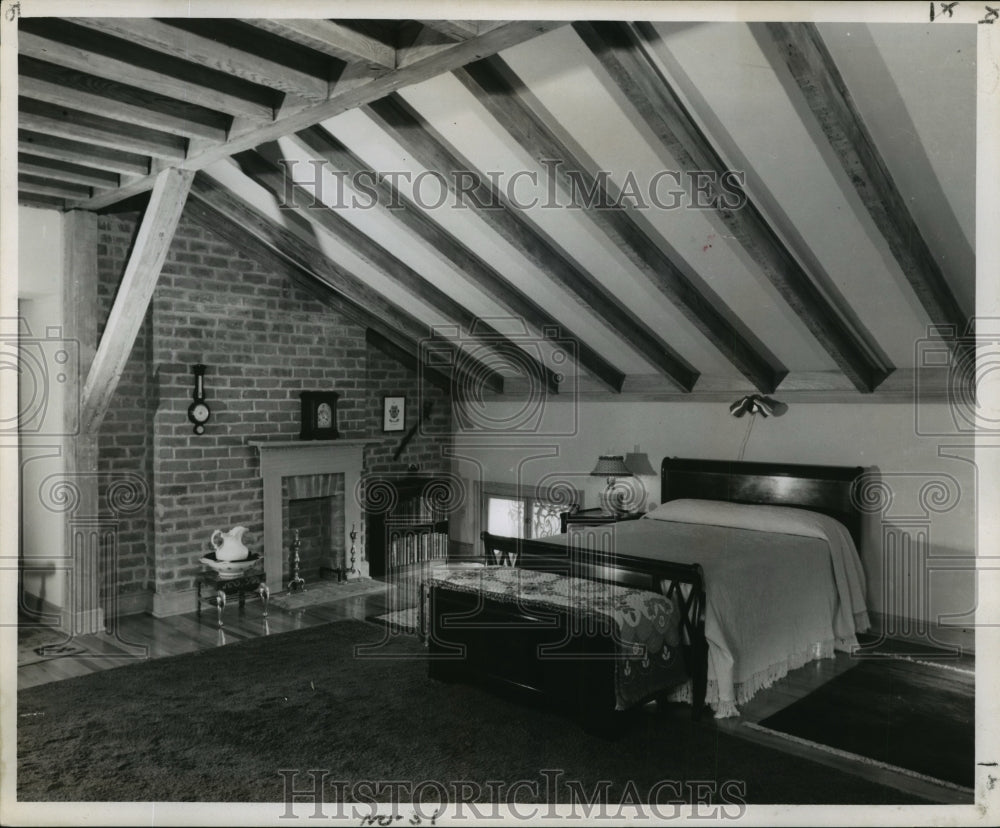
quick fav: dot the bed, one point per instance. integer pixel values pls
(759, 561)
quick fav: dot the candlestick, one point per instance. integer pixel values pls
(354, 550)
(297, 582)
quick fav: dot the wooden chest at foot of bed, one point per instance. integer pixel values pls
(575, 659)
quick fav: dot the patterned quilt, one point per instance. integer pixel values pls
(646, 625)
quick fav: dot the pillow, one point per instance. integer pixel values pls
(785, 520)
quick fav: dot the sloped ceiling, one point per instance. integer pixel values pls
(535, 192)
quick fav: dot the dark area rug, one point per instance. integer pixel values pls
(916, 716)
(222, 724)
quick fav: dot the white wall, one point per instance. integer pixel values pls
(883, 436)
(42, 400)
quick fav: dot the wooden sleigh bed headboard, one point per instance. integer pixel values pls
(829, 490)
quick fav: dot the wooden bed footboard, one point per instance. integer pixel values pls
(683, 583)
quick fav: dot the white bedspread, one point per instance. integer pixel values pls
(774, 600)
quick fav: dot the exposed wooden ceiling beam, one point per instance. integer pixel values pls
(498, 90)
(416, 42)
(304, 254)
(68, 87)
(42, 202)
(825, 387)
(49, 146)
(76, 125)
(72, 173)
(418, 139)
(211, 54)
(50, 187)
(334, 39)
(254, 247)
(262, 167)
(826, 94)
(623, 53)
(96, 53)
(353, 92)
(410, 358)
(455, 29)
(156, 231)
(319, 143)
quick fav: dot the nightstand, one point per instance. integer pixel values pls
(593, 517)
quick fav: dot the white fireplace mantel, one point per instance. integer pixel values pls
(289, 458)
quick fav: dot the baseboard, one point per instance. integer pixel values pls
(89, 621)
(132, 603)
(41, 610)
(174, 603)
(903, 629)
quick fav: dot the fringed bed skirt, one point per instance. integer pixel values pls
(750, 686)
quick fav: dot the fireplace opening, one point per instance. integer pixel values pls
(314, 507)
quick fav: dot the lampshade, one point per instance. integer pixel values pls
(638, 463)
(611, 465)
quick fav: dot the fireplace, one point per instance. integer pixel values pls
(311, 477)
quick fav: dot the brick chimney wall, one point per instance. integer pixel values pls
(263, 339)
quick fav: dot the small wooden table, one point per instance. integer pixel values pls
(593, 517)
(253, 580)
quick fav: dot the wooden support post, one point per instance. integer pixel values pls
(82, 605)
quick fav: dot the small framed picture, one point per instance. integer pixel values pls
(393, 413)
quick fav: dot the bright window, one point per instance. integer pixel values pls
(529, 516)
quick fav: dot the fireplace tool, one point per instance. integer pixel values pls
(297, 582)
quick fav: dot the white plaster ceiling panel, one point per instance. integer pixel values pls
(764, 120)
(455, 114)
(380, 226)
(229, 175)
(359, 133)
(570, 83)
(915, 87)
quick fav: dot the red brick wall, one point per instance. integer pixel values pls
(263, 339)
(125, 441)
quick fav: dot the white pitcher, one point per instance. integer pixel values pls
(229, 545)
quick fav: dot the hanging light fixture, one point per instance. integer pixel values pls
(754, 404)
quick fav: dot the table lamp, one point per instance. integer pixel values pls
(612, 466)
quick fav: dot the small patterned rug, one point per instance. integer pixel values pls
(39, 643)
(404, 620)
(323, 592)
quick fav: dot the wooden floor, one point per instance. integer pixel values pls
(142, 636)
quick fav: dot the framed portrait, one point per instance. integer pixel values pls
(393, 413)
